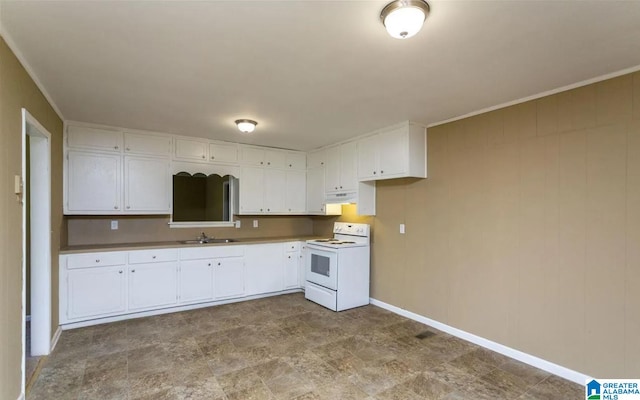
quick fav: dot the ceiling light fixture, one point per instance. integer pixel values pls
(246, 125)
(404, 18)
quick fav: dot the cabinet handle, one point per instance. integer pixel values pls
(120, 271)
(97, 261)
(133, 270)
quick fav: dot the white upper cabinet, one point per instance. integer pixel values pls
(340, 168)
(147, 185)
(223, 152)
(396, 152)
(146, 143)
(100, 139)
(93, 183)
(295, 199)
(252, 190)
(262, 157)
(295, 160)
(275, 183)
(191, 149)
(316, 159)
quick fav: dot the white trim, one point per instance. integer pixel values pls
(545, 365)
(204, 224)
(14, 48)
(28, 318)
(21, 397)
(541, 95)
(55, 338)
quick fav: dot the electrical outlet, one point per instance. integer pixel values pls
(402, 228)
(238, 224)
(114, 225)
(255, 223)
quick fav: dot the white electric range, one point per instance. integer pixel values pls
(337, 269)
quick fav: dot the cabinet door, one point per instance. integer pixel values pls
(252, 186)
(332, 169)
(191, 149)
(147, 185)
(102, 139)
(274, 158)
(140, 143)
(196, 281)
(296, 161)
(228, 277)
(275, 186)
(93, 182)
(367, 158)
(291, 270)
(348, 167)
(393, 152)
(265, 272)
(296, 191)
(96, 291)
(153, 285)
(223, 152)
(315, 190)
(252, 156)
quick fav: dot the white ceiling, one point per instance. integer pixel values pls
(310, 72)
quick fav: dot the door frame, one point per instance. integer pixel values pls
(40, 237)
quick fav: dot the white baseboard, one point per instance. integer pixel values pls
(21, 397)
(534, 361)
(54, 340)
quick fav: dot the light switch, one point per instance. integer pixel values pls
(17, 182)
(402, 228)
(255, 223)
(114, 225)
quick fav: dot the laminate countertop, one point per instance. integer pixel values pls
(90, 248)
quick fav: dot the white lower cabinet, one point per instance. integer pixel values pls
(95, 291)
(265, 269)
(153, 285)
(228, 277)
(97, 285)
(196, 281)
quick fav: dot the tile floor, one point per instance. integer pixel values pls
(31, 362)
(283, 347)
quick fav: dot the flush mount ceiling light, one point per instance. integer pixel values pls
(404, 18)
(246, 125)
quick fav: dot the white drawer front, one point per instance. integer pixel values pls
(151, 256)
(96, 259)
(196, 253)
(323, 296)
(292, 246)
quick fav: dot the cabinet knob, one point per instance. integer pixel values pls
(261, 162)
(209, 264)
(336, 188)
(322, 163)
(98, 260)
(269, 163)
(128, 149)
(289, 256)
(374, 172)
(213, 158)
(261, 209)
(290, 165)
(203, 157)
(154, 257)
(115, 207)
(115, 147)
(340, 187)
(128, 207)
(133, 270)
(120, 271)
(218, 263)
(268, 209)
(382, 172)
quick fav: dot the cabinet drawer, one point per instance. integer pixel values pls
(292, 246)
(151, 256)
(196, 253)
(95, 260)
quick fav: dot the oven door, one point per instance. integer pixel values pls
(322, 266)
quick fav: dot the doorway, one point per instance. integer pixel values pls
(36, 238)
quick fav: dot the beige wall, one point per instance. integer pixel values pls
(17, 90)
(527, 231)
(97, 229)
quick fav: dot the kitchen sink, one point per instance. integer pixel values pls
(208, 241)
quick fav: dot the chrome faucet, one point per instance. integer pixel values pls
(203, 238)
